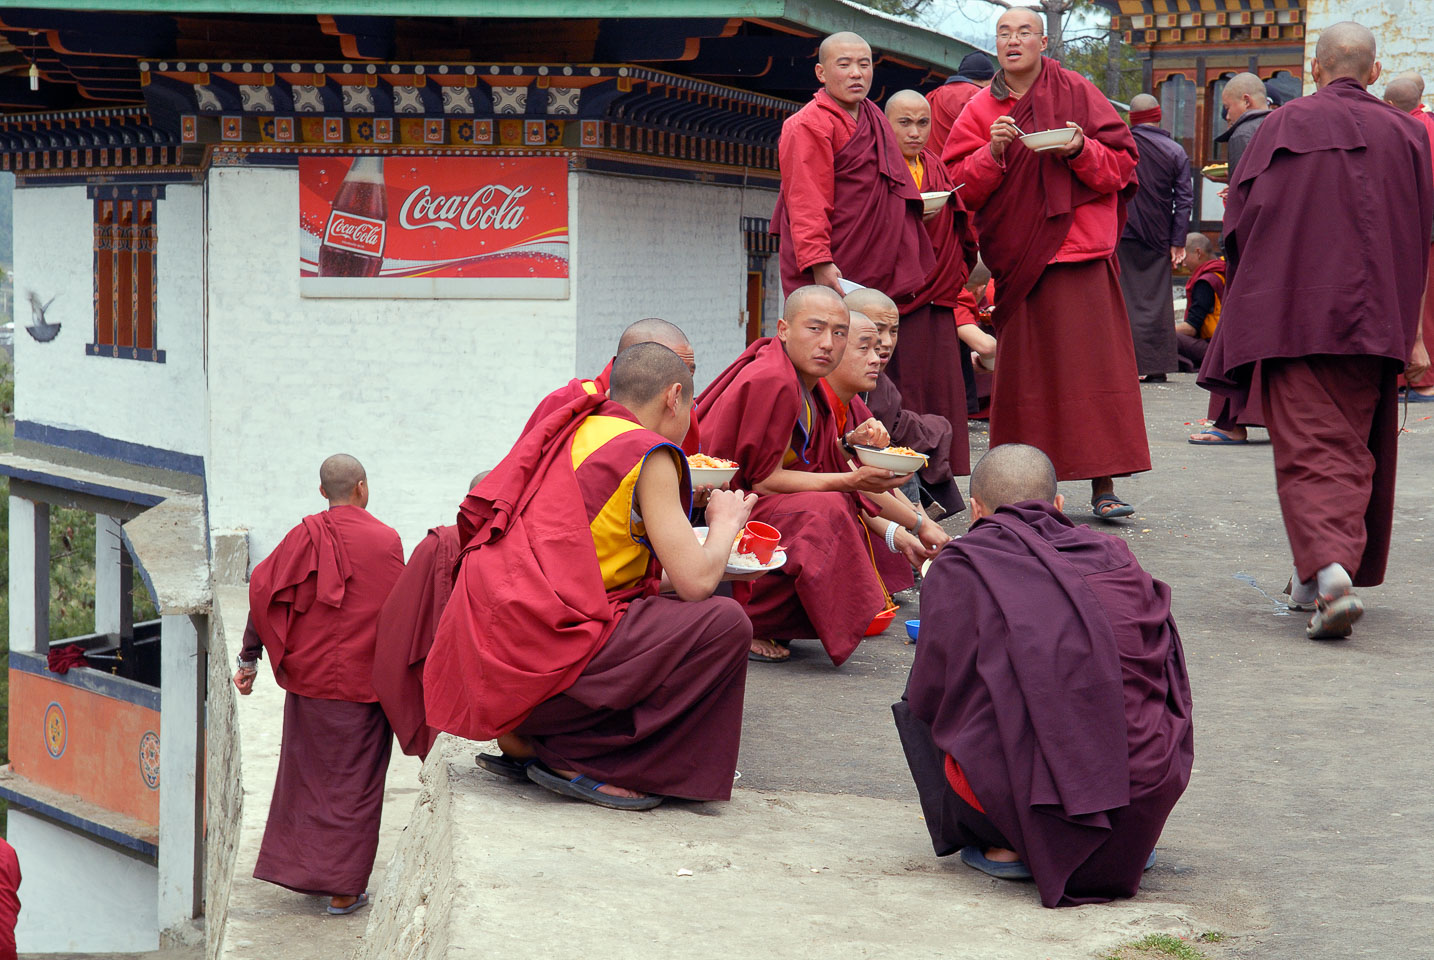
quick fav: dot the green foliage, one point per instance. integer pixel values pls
(7, 387)
(1090, 57)
(907, 9)
(1157, 945)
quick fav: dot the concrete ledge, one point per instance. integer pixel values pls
(134, 837)
(495, 868)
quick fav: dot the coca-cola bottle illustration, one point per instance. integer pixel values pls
(353, 238)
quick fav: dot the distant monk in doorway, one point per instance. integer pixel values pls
(313, 605)
(848, 208)
(1047, 720)
(406, 625)
(559, 640)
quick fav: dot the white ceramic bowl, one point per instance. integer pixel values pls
(933, 202)
(701, 476)
(898, 463)
(1049, 139)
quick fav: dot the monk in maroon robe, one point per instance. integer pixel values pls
(646, 330)
(1047, 720)
(915, 536)
(313, 605)
(932, 434)
(1330, 344)
(9, 899)
(557, 640)
(406, 626)
(929, 374)
(1406, 92)
(848, 207)
(1048, 224)
(765, 413)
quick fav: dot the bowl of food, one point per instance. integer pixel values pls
(744, 563)
(1219, 172)
(933, 202)
(1049, 139)
(899, 460)
(710, 470)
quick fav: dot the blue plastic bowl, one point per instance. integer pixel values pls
(913, 627)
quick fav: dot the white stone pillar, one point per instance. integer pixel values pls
(29, 575)
(109, 591)
(181, 769)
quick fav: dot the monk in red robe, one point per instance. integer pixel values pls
(926, 433)
(1330, 345)
(1047, 720)
(1405, 92)
(848, 207)
(313, 605)
(948, 100)
(915, 536)
(930, 374)
(646, 330)
(9, 899)
(557, 639)
(406, 625)
(765, 413)
(1048, 224)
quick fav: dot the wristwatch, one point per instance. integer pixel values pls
(247, 664)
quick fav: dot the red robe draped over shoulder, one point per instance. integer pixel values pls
(565, 395)
(314, 602)
(406, 626)
(753, 413)
(847, 198)
(529, 609)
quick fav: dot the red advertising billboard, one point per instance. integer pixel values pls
(491, 227)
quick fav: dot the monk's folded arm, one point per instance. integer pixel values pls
(1102, 168)
(809, 180)
(782, 480)
(693, 569)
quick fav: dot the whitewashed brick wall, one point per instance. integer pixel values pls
(424, 392)
(56, 384)
(651, 248)
(1403, 31)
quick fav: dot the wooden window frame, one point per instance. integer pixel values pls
(126, 272)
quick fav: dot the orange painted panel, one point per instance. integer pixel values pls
(102, 750)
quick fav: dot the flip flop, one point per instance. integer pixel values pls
(1222, 439)
(1414, 396)
(586, 789)
(362, 901)
(763, 658)
(1015, 870)
(1335, 616)
(1118, 507)
(505, 766)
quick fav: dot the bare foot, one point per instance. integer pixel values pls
(1234, 433)
(770, 648)
(338, 903)
(515, 746)
(1002, 855)
(606, 788)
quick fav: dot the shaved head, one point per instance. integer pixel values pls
(643, 371)
(657, 330)
(1345, 49)
(1199, 242)
(478, 478)
(1011, 473)
(980, 274)
(1245, 84)
(812, 293)
(339, 478)
(839, 41)
(1143, 101)
(1402, 93)
(869, 300)
(1417, 78)
(861, 324)
(1020, 15)
(912, 99)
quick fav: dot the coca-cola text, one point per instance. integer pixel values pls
(478, 209)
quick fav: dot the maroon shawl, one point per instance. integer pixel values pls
(1213, 273)
(1026, 219)
(953, 241)
(1327, 230)
(877, 239)
(1051, 671)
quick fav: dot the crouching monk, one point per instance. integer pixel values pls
(556, 640)
(313, 603)
(1047, 718)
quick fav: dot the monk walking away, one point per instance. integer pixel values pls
(848, 208)
(406, 626)
(560, 639)
(1329, 344)
(313, 604)
(766, 414)
(1047, 719)
(1048, 223)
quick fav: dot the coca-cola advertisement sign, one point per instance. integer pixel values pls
(494, 227)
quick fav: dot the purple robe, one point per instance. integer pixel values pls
(1051, 672)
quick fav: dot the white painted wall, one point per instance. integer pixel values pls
(1403, 31)
(79, 895)
(652, 248)
(424, 392)
(157, 404)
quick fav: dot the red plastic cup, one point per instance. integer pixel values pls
(759, 539)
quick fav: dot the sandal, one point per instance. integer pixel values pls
(1218, 438)
(756, 657)
(1108, 506)
(1335, 616)
(586, 789)
(510, 768)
